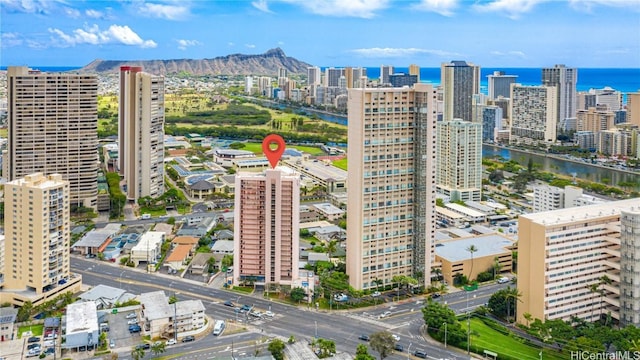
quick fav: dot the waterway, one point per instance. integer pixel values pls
(549, 163)
(556, 165)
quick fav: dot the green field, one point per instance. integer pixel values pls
(486, 338)
(3, 132)
(256, 148)
(36, 330)
(341, 164)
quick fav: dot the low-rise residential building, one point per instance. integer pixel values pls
(223, 247)
(148, 248)
(97, 239)
(81, 327)
(104, 297)
(456, 258)
(329, 211)
(161, 318)
(178, 257)
(7, 320)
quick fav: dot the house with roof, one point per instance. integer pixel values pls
(200, 262)
(160, 318)
(199, 229)
(191, 241)
(178, 257)
(224, 234)
(201, 189)
(104, 296)
(81, 325)
(95, 241)
(148, 248)
(224, 247)
(7, 321)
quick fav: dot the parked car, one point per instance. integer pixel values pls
(376, 294)
(132, 316)
(33, 339)
(132, 322)
(245, 308)
(420, 353)
(395, 337)
(229, 303)
(135, 329)
(171, 342)
(364, 337)
(144, 346)
(188, 338)
(399, 347)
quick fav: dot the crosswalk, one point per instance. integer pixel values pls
(369, 319)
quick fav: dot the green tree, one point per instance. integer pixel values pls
(158, 348)
(327, 348)
(276, 348)
(173, 299)
(331, 248)
(471, 249)
(137, 353)
(362, 353)
(227, 261)
(439, 202)
(436, 315)
(102, 340)
(297, 294)
(583, 343)
(171, 221)
(382, 342)
(24, 313)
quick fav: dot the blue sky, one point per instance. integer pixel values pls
(490, 33)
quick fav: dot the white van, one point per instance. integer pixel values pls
(503, 280)
(218, 328)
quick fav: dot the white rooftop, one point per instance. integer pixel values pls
(465, 210)
(156, 305)
(82, 317)
(486, 245)
(583, 212)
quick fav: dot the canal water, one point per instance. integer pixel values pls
(564, 167)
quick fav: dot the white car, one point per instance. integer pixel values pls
(132, 316)
(385, 314)
(395, 337)
(171, 342)
(269, 314)
(376, 294)
(132, 322)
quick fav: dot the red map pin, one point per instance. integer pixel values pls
(273, 154)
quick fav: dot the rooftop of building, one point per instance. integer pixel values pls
(179, 253)
(455, 250)
(82, 317)
(329, 209)
(188, 307)
(188, 240)
(222, 246)
(581, 213)
(465, 210)
(156, 305)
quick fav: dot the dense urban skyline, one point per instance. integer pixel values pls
(515, 33)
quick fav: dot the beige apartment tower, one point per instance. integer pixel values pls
(391, 201)
(37, 234)
(460, 81)
(459, 162)
(266, 227)
(53, 128)
(569, 257)
(141, 132)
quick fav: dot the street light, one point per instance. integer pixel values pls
(445, 335)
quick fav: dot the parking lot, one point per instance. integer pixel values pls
(119, 330)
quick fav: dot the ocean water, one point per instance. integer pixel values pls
(623, 80)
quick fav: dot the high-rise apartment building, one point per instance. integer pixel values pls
(491, 122)
(459, 161)
(391, 201)
(564, 256)
(37, 235)
(415, 70)
(500, 84)
(533, 115)
(629, 276)
(141, 132)
(332, 77)
(595, 119)
(266, 227)
(314, 75)
(460, 81)
(53, 128)
(385, 72)
(565, 80)
(633, 108)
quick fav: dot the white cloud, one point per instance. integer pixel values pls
(230, 43)
(261, 5)
(169, 12)
(349, 8)
(589, 5)
(398, 52)
(513, 8)
(250, 46)
(10, 40)
(93, 35)
(513, 53)
(183, 44)
(93, 13)
(442, 7)
(280, 43)
(72, 13)
(28, 6)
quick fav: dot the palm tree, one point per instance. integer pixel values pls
(137, 353)
(527, 316)
(331, 247)
(593, 288)
(512, 293)
(471, 249)
(604, 280)
(158, 348)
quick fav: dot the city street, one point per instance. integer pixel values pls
(303, 323)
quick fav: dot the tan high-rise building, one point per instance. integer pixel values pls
(533, 115)
(141, 132)
(595, 119)
(37, 235)
(415, 70)
(266, 227)
(53, 128)
(633, 108)
(391, 198)
(566, 255)
(459, 163)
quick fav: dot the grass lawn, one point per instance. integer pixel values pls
(4, 132)
(341, 164)
(484, 337)
(256, 148)
(36, 330)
